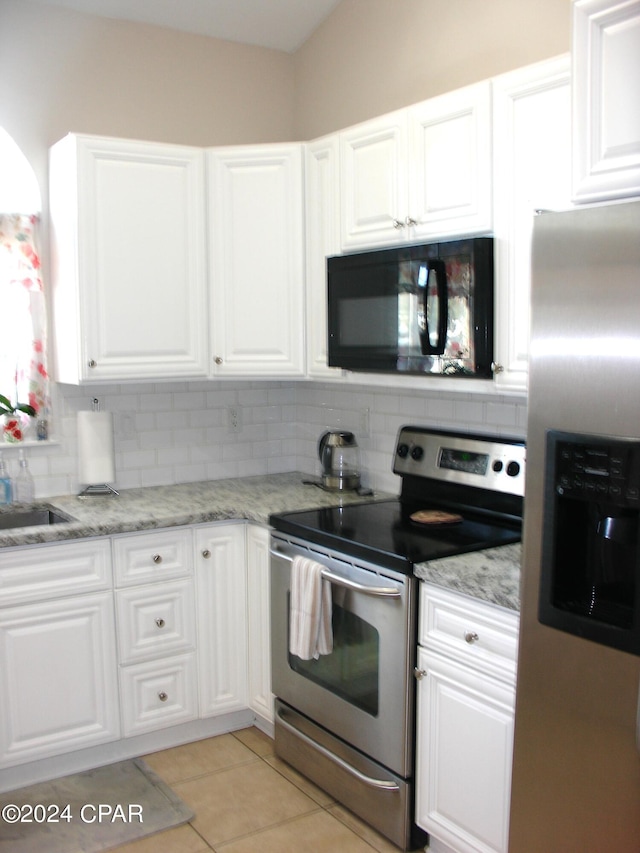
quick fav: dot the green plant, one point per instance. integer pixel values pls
(7, 408)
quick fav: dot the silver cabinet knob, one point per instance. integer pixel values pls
(160, 623)
(206, 553)
(157, 558)
(92, 362)
(397, 224)
(162, 696)
(410, 222)
(218, 359)
(471, 637)
(419, 673)
(497, 368)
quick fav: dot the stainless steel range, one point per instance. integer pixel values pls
(345, 717)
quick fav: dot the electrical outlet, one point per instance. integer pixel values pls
(234, 419)
(365, 422)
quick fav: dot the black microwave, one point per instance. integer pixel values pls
(424, 309)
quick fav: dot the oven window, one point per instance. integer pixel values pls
(351, 670)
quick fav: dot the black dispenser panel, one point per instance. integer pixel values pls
(590, 572)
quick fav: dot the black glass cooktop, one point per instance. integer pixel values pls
(382, 532)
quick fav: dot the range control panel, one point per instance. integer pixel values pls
(472, 460)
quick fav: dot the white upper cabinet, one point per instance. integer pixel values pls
(606, 99)
(256, 260)
(532, 171)
(373, 181)
(418, 173)
(322, 209)
(129, 271)
(450, 163)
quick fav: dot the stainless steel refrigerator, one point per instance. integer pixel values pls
(576, 771)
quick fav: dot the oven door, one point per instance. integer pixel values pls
(363, 691)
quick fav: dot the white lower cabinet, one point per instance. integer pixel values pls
(220, 564)
(156, 629)
(465, 715)
(259, 628)
(82, 663)
(58, 672)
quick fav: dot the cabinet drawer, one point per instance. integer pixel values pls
(473, 632)
(43, 572)
(153, 556)
(157, 694)
(155, 621)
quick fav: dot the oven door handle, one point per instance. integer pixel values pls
(383, 591)
(381, 784)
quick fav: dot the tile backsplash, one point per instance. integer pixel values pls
(172, 433)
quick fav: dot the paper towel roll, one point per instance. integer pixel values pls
(95, 448)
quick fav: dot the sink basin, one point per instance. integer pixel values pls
(36, 516)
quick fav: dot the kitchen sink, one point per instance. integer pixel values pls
(35, 516)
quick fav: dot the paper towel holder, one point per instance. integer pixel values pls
(97, 489)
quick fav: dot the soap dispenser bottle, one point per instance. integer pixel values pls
(24, 486)
(6, 489)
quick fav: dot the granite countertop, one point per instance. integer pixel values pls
(492, 575)
(245, 498)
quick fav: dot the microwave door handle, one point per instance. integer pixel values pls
(442, 293)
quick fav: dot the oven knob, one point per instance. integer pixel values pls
(497, 466)
(417, 453)
(513, 469)
(403, 450)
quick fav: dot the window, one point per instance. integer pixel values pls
(23, 324)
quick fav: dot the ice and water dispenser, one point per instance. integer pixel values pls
(590, 573)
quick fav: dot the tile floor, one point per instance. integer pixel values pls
(246, 800)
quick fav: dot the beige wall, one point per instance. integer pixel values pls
(62, 71)
(372, 56)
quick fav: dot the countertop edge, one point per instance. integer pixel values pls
(492, 575)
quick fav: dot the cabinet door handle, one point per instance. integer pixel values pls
(162, 696)
(157, 558)
(206, 553)
(418, 673)
(218, 359)
(410, 222)
(471, 637)
(92, 362)
(160, 623)
(397, 224)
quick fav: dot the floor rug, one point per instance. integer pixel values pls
(89, 812)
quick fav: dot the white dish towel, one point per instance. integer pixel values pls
(310, 633)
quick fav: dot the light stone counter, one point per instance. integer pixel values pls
(492, 575)
(246, 498)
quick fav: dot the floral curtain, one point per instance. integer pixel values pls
(23, 321)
